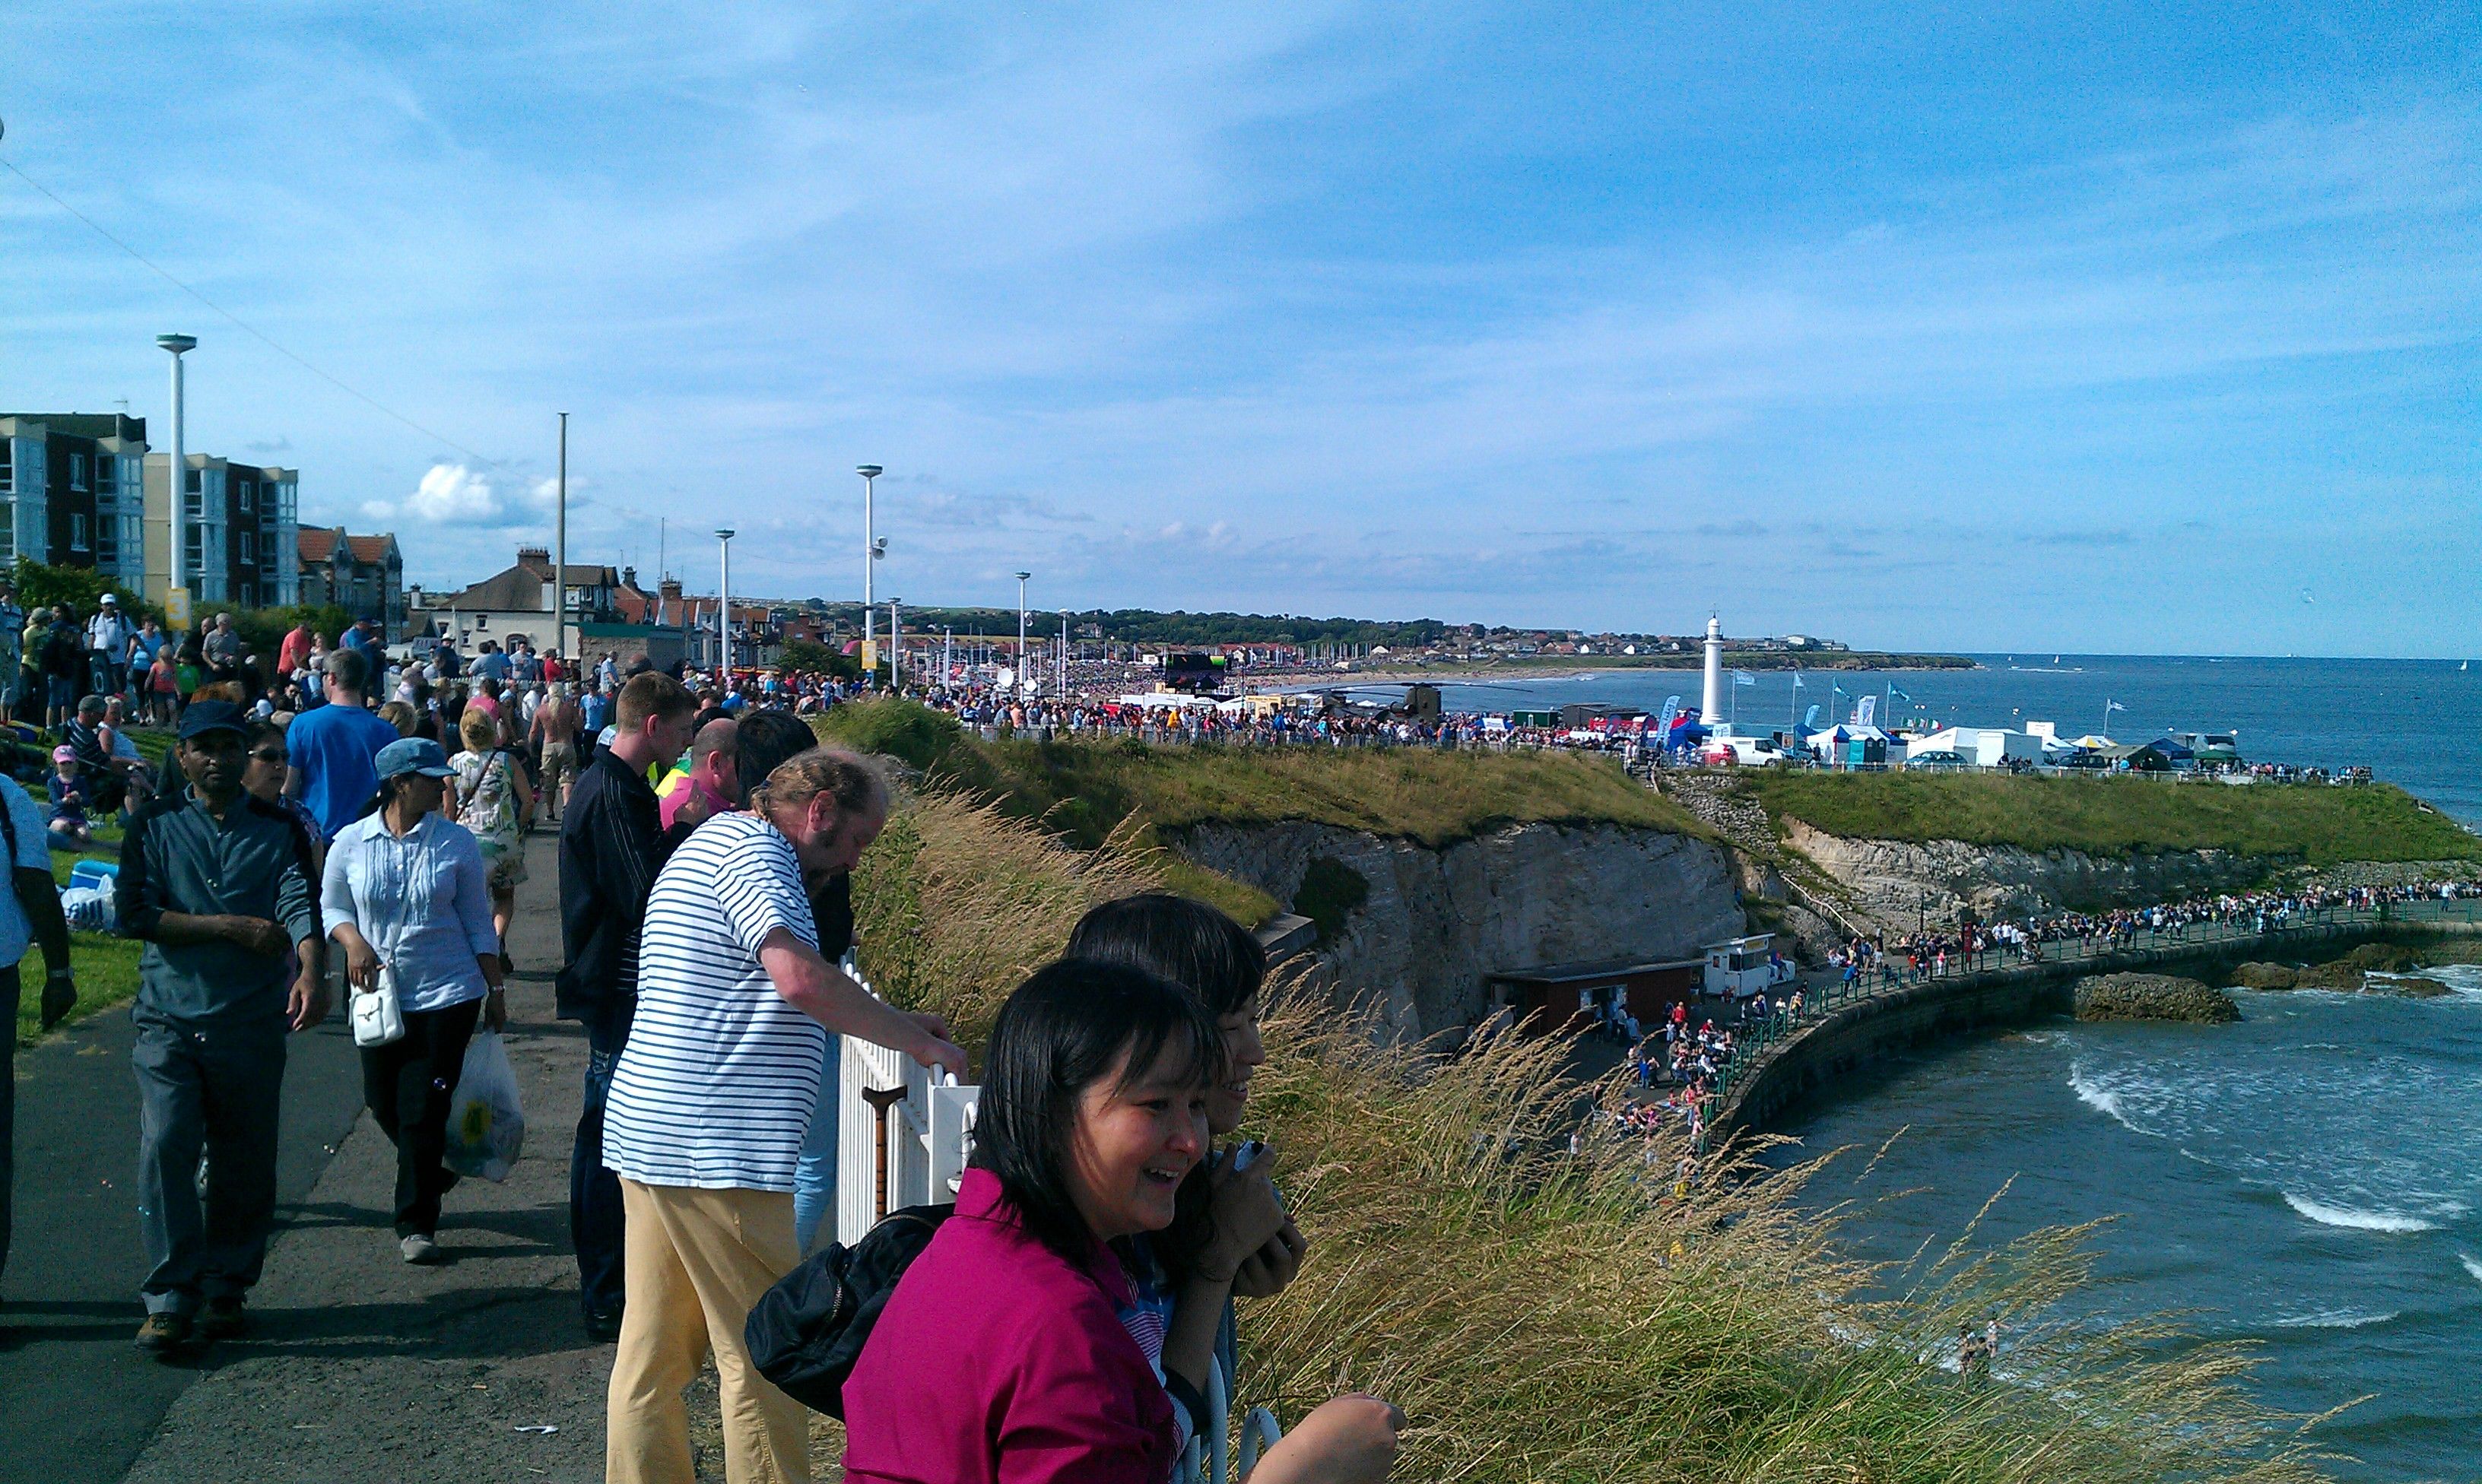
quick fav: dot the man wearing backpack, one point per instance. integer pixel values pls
(33, 909)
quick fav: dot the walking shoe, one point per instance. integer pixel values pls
(419, 1248)
(603, 1328)
(163, 1333)
(223, 1319)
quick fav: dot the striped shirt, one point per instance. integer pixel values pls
(715, 1086)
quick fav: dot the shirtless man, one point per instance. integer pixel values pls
(554, 733)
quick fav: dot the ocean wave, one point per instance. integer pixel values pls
(2356, 1220)
(2335, 1319)
(2472, 1265)
(2102, 1098)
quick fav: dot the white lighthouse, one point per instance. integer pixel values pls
(1711, 710)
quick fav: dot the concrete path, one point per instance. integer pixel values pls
(357, 1366)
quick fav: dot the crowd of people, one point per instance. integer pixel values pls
(339, 828)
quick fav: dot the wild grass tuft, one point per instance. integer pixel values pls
(1550, 1317)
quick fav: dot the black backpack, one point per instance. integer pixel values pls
(805, 1333)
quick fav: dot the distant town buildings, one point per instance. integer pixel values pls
(364, 575)
(515, 602)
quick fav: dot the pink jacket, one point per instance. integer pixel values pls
(996, 1360)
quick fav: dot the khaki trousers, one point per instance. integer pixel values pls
(696, 1261)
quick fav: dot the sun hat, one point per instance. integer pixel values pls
(413, 755)
(65, 753)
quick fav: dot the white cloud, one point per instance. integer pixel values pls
(455, 495)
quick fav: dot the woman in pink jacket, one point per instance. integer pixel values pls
(1003, 1354)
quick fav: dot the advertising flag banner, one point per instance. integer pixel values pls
(1865, 711)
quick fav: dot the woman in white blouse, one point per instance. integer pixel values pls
(405, 886)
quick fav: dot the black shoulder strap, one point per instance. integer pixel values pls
(8, 830)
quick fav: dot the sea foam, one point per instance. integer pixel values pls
(2335, 1319)
(2102, 1098)
(2358, 1220)
(2471, 1265)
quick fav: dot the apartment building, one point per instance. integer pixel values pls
(71, 491)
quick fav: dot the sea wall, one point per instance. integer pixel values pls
(1431, 922)
(1896, 884)
(1815, 1060)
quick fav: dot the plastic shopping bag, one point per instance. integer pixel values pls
(486, 1126)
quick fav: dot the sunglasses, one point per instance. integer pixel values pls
(269, 755)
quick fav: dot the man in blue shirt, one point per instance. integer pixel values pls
(491, 664)
(333, 750)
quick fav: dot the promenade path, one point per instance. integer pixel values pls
(357, 1366)
(1836, 1022)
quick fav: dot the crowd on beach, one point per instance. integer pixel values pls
(329, 826)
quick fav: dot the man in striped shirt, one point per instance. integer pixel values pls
(710, 1101)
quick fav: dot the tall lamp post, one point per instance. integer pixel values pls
(1020, 634)
(869, 557)
(896, 643)
(176, 481)
(724, 607)
(560, 557)
(1062, 690)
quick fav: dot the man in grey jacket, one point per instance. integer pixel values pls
(219, 888)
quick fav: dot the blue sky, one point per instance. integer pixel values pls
(2138, 328)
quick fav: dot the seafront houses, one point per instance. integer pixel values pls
(515, 604)
(364, 575)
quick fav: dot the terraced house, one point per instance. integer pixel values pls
(71, 491)
(364, 575)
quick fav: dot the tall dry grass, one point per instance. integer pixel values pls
(1550, 1317)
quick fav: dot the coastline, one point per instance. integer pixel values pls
(1574, 667)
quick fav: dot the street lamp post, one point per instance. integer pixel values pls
(1062, 690)
(723, 606)
(176, 481)
(559, 555)
(895, 644)
(869, 557)
(1020, 634)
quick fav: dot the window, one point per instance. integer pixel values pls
(192, 547)
(249, 494)
(77, 531)
(77, 471)
(195, 480)
(8, 469)
(248, 544)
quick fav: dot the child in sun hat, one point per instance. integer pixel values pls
(70, 794)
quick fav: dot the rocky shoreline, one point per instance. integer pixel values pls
(2165, 997)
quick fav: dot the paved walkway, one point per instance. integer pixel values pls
(359, 1366)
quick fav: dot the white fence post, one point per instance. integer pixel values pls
(894, 1116)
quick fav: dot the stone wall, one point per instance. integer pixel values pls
(1434, 922)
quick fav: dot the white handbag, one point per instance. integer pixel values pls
(378, 1016)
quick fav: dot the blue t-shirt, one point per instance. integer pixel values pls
(337, 749)
(34, 854)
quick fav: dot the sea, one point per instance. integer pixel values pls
(2309, 1179)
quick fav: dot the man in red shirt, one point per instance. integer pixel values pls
(294, 657)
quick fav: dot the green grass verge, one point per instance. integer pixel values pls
(2314, 825)
(107, 976)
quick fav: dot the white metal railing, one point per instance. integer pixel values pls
(1208, 1457)
(902, 1133)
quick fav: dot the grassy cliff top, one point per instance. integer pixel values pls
(1086, 789)
(2313, 824)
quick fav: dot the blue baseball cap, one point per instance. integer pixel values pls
(413, 755)
(205, 716)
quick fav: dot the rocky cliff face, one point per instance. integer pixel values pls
(1433, 922)
(1890, 879)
